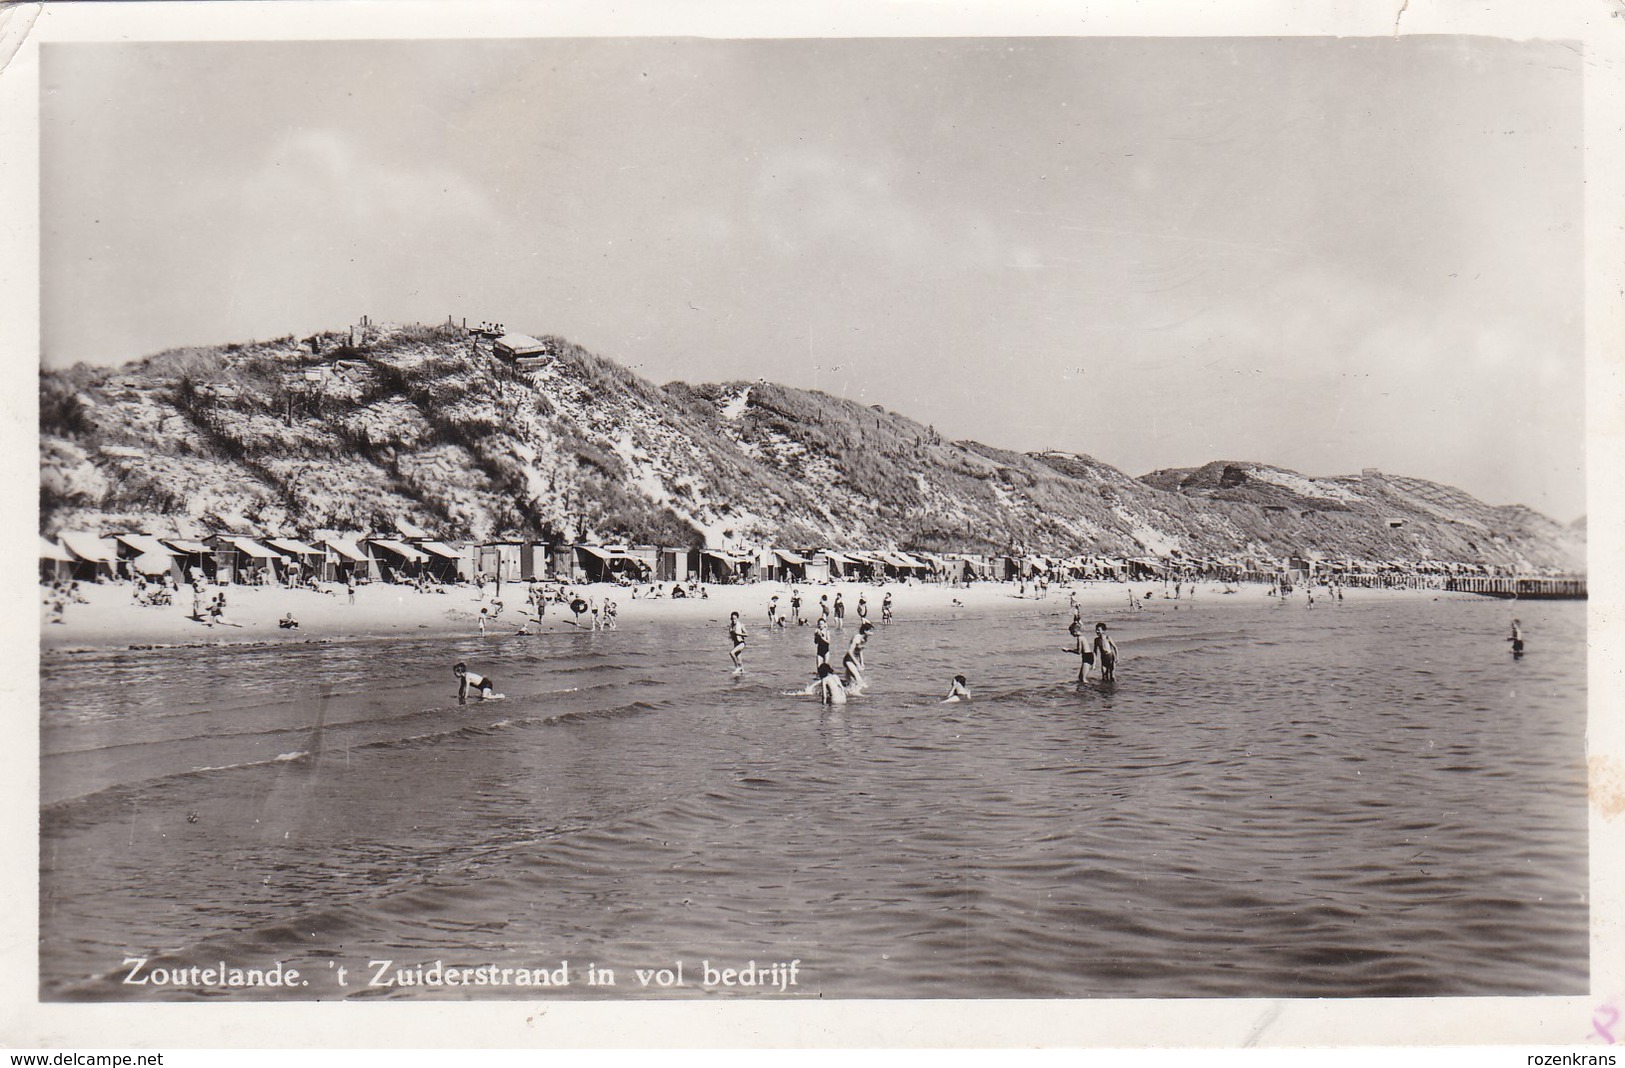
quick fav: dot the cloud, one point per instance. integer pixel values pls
(319, 176)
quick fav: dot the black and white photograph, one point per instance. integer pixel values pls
(862, 514)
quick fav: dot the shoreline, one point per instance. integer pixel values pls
(110, 621)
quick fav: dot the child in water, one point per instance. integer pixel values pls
(468, 680)
(1105, 651)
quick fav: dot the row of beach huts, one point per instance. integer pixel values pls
(410, 554)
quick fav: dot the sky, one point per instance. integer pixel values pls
(1324, 254)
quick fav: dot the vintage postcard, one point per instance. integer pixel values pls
(1025, 525)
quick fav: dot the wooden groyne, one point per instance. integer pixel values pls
(1567, 587)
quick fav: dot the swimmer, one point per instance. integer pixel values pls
(1105, 651)
(958, 691)
(468, 680)
(736, 634)
(830, 690)
(853, 677)
(859, 640)
(852, 662)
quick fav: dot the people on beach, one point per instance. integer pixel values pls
(736, 635)
(349, 588)
(468, 681)
(219, 611)
(287, 622)
(958, 691)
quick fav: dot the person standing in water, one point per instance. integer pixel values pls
(1075, 628)
(1517, 638)
(840, 611)
(795, 605)
(736, 635)
(1105, 653)
(885, 608)
(821, 642)
(853, 661)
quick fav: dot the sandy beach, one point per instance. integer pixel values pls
(109, 618)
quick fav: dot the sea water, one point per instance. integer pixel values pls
(1356, 799)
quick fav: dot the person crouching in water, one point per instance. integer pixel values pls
(959, 691)
(468, 680)
(830, 690)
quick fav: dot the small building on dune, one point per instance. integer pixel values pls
(519, 349)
